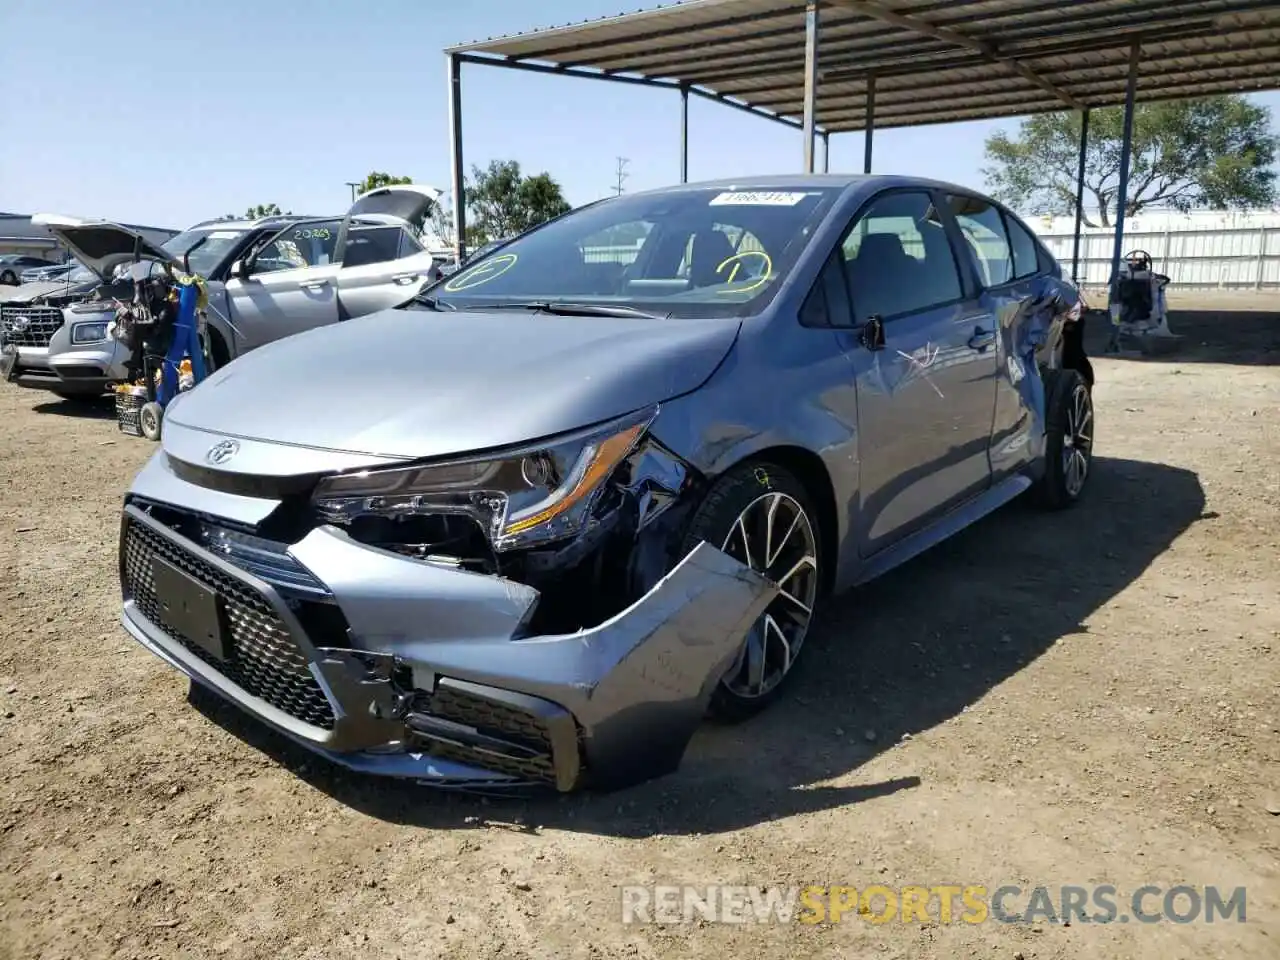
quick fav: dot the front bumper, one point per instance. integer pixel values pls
(423, 672)
(26, 366)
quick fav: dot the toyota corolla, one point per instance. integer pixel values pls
(532, 526)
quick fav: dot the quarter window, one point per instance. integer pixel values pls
(897, 258)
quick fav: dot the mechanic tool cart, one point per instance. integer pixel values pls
(161, 327)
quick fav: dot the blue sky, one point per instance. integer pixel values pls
(165, 113)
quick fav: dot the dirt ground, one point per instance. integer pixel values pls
(1081, 698)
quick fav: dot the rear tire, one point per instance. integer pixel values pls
(761, 515)
(1068, 449)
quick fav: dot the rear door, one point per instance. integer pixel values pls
(383, 261)
(290, 284)
(1007, 261)
(382, 267)
(925, 393)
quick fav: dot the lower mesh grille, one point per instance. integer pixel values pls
(262, 658)
(493, 719)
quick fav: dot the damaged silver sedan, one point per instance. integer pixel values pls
(530, 527)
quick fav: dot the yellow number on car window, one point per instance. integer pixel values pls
(482, 273)
(734, 266)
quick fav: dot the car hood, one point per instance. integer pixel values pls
(101, 245)
(30, 292)
(416, 384)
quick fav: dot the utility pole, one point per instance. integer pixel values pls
(353, 184)
(621, 175)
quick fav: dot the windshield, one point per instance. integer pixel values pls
(80, 273)
(687, 253)
(206, 258)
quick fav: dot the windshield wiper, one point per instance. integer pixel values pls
(564, 309)
(432, 303)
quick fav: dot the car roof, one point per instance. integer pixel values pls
(276, 220)
(800, 181)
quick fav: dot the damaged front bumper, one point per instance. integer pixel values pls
(394, 666)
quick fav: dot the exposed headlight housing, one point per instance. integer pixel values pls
(520, 498)
(94, 331)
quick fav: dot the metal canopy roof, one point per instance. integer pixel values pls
(926, 61)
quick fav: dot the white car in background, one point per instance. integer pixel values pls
(267, 279)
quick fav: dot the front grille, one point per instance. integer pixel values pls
(29, 326)
(262, 658)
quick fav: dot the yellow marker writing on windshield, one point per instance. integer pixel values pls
(736, 262)
(482, 273)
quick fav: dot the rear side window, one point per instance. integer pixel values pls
(898, 259)
(1025, 260)
(371, 245)
(984, 233)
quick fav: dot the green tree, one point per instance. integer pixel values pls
(378, 179)
(257, 212)
(501, 201)
(1207, 152)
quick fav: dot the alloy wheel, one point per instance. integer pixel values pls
(1077, 440)
(774, 537)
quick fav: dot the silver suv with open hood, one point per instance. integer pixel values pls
(267, 279)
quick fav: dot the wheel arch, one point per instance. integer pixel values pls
(813, 475)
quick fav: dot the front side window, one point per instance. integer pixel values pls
(897, 258)
(686, 253)
(299, 246)
(983, 228)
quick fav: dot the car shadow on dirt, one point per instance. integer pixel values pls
(1237, 337)
(82, 408)
(887, 661)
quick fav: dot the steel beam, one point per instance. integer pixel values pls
(812, 30)
(455, 139)
(869, 128)
(1122, 191)
(684, 134)
(1075, 243)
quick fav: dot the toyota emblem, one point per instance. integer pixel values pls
(222, 451)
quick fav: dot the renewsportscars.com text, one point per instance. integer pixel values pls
(941, 903)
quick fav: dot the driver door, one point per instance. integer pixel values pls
(288, 285)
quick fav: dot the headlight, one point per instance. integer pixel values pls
(528, 496)
(93, 332)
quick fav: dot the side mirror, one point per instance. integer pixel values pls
(239, 270)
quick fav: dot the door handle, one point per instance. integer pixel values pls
(405, 278)
(981, 339)
(315, 284)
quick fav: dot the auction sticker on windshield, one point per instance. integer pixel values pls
(483, 272)
(758, 198)
(223, 235)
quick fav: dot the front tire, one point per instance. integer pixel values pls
(9, 278)
(761, 515)
(1068, 449)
